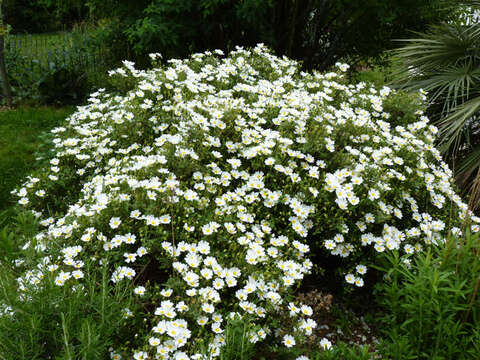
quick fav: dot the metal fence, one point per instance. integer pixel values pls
(55, 50)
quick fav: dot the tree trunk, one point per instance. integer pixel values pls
(7, 92)
(3, 73)
(292, 28)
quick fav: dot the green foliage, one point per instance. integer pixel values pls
(237, 344)
(34, 16)
(445, 62)
(431, 307)
(79, 323)
(22, 139)
(339, 351)
(379, 74)
(163, 26)
(361, 30)
(15, 228)
(62, 86)
(58, 68)
(317, 32)
(343, 351)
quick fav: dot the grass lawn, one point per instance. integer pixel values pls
(20, 139)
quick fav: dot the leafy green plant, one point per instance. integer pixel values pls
(79, 323)
(76, 323)
(60, 69)
(7, 244)
(430, 302)
(62, 85)
(343, 351)
(237, 340)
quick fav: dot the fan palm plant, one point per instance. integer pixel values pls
(445, 62)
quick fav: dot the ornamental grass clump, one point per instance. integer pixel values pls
(205, 186)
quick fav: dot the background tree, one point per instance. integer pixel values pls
(3, 72)
(318, 32)
(38, 16)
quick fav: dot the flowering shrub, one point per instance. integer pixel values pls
(206, 185)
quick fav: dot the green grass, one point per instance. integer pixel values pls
(21, 137)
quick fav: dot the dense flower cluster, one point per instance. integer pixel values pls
(231, 169)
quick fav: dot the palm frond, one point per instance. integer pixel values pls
(451, 85)
(446, 63)
(452, 126)
(445, 45)
(466, 168)
(467, 176)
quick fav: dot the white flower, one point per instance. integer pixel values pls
(288, 341)
(165, 219)
(153, 341)
(77, 274)
(115, 222)
(325, 344)
(140, 355)
(139, 290)
(350, 278)
(208, 308)
(361, 269)
(342, 67)
(166, 292)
